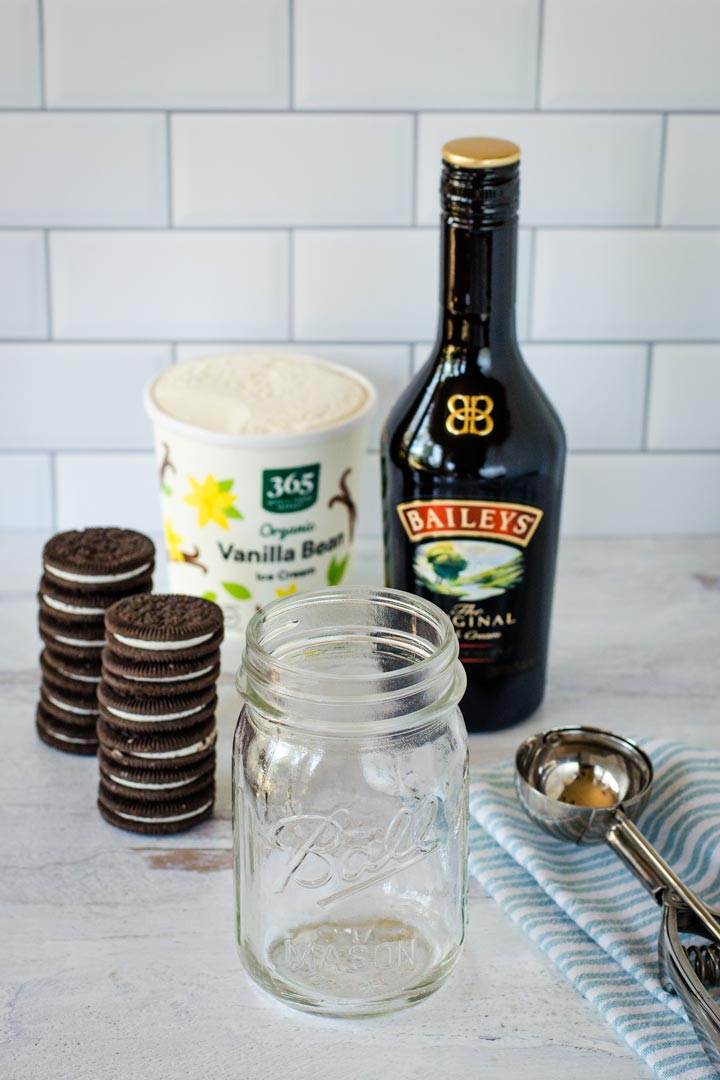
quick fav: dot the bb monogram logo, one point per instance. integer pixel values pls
(327, 849)
(469, 414)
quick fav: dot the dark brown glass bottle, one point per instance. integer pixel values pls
(473, 453)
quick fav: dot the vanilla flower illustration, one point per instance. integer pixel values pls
(289, 591)
(212, 500)
(173, 541)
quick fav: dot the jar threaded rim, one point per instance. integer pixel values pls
(293, 670)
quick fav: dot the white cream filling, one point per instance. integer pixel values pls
(69, 738)
(71, 609)
(184, 751)
(157, 646)
(99, 579)
(83, 643)
(80, 678)
(174, 817)
(144, 719)
(72, 708)
(152, 787)
(167, 678)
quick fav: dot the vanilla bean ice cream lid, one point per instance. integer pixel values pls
(254, 393)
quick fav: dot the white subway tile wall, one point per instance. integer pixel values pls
(369, 285)
(659, 494)
(415, 54)
(83, 169)
(632, 285)
(692, 154)
(224, 54)
(290, 169)
(687, 374)
(107, 489)
(27, 491)
(77, 397)
(23, 285)
(19, 54)
(182, 178)
(165, 284)
(630, 54)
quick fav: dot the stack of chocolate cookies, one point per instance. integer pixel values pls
(84, 573)
(157, 701)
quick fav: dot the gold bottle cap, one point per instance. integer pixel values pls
(481, 153)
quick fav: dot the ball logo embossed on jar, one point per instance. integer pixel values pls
(324, 849)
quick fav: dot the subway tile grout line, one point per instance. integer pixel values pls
(358, 227)
(291, 55)
(661, 171)
(41, 54)
(647, 390)
(168, 170)
(539, 55)
(397, 110)
(53, 491)
(48, 283)
(77, 451)
(415, 167)
(291, 285)
(19, 342)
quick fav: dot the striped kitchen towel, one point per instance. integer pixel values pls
(586, 910)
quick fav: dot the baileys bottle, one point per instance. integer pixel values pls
(473, 453)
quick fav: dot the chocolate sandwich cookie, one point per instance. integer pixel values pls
(76, 642)
(148, 713)
(77, 676)
(158, 785)
(103, 559)
(69, 606)
(62, 736)
(157, 751)
(167, 678)
(164, 627)
(81, 710)
(146, 816)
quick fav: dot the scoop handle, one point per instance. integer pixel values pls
(679, 974)
(659, 879)
(682, 910)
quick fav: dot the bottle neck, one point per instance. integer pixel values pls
(477, 292)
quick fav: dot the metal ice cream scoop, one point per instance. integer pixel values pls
(585, 785)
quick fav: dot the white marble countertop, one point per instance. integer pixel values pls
(118, 959)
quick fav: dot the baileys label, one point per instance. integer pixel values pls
(513, 522)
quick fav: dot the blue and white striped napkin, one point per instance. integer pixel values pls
(586, 910)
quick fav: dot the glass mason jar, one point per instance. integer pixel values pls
(350, 794)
